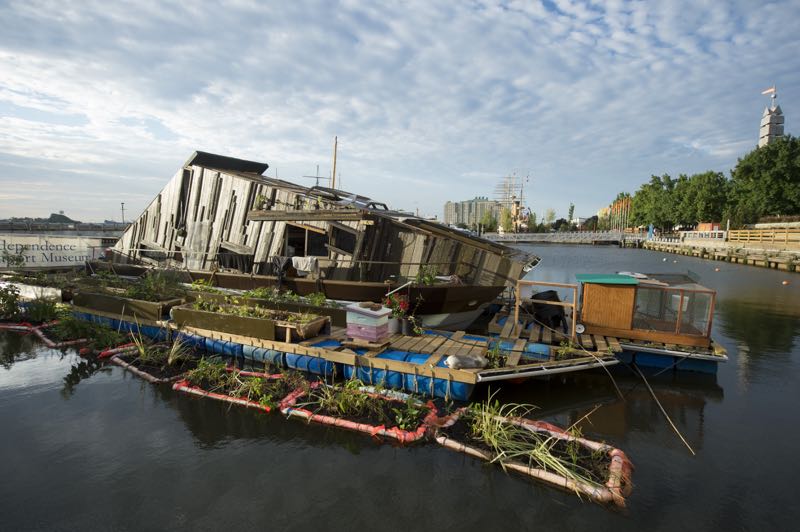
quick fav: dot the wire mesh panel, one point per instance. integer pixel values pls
(670, 309)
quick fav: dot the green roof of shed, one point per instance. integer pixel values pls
(606, 278)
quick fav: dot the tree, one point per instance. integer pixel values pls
(710, 196)
(652, 203)
(571, 214)
(489, 222)
(766, 182)
(560, 225)
(531, 221)
(506, 221)
(549, 216)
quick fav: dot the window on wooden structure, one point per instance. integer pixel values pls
(343, 239)
(303, 241)
(315, 245)
(183, 199)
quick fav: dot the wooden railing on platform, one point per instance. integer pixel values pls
(573, 305)
(785, 236)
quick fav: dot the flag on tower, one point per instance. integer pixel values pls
(770, 90)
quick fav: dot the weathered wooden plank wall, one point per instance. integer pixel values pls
(202, 209)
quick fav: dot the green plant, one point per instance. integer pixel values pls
(249, 311)
(407, 418)
(156, 286)
(209, 375)
(565, 350)
(426, 275)
(347, 400)
(398, 303)
(495, 356)
(573, 446)
(41, 310)
(204, 304)
(489, 423)
(9, 301)
(317, 299)
(204, 285)
(71, 328)
(156, 355)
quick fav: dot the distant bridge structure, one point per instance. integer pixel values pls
(572, 237)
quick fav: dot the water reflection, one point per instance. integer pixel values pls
(80, 371)
(763, 327)
(16, 347)
(566, 400)
(215, 424)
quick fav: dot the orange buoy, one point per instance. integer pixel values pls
(785, 283)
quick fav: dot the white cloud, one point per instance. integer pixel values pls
(431, 102)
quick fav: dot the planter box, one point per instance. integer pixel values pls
(264, 328)
(338, 316)
(185, 387)
(613, 491)
(290, 408)
(125, 307)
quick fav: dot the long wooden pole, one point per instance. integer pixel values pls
(335, 148)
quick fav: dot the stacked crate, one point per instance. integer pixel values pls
(368, 322)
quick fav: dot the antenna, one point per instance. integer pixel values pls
(317, 177)
(335, 149)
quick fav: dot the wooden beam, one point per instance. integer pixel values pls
(321, 215)
(516, 353)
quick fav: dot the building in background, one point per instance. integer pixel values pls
(771, 120)
(470, 212)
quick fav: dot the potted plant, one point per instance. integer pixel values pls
(252, 321)
(149, 298)
(399, 305)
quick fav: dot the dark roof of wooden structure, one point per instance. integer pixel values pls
(224, 163)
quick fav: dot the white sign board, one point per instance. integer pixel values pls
(26, 251)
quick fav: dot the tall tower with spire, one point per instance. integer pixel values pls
(771, 120)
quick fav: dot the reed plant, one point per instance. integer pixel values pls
(348, 400)
(41, 310)
(155, 355)
(510, 442)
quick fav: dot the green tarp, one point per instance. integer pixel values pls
(606, 278)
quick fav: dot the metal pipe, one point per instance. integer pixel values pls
(546, 371)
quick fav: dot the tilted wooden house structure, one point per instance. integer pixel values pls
(220, 217)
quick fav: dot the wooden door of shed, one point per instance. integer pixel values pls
(608, 305)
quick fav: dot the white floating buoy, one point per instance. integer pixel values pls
(675, 261)
(785, 283)
(664, 259)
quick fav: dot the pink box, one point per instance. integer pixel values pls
(368, 332)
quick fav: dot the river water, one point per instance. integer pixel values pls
(86, 447)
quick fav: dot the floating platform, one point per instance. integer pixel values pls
(410, 363)
(644, 353)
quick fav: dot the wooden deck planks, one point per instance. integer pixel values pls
(516, 353)
(601, 343)
(614, 343)
(508, 328)
(586, 341)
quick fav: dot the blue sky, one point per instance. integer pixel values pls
(101, 102)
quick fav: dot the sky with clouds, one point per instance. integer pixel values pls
(101, 102)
